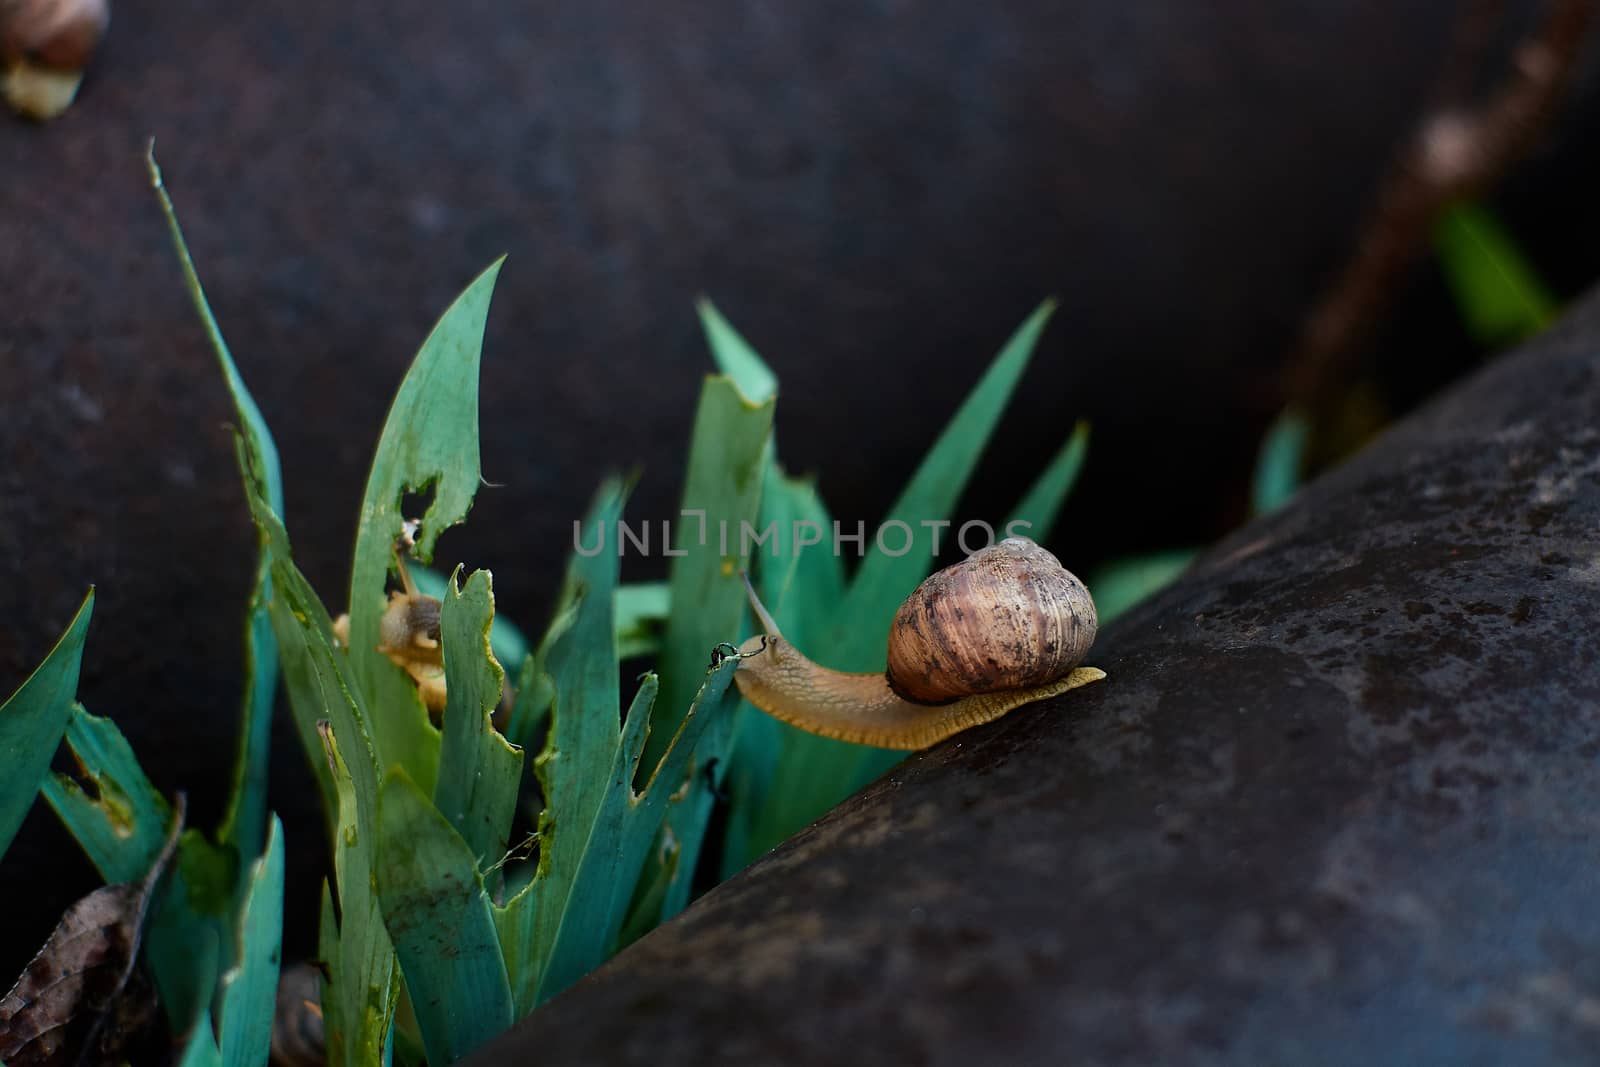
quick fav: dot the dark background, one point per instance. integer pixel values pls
(876, 194)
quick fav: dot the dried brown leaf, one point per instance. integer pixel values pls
(75, 1003)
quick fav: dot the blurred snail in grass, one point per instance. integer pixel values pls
(44, 47)
(1005, 627)
(408, 631)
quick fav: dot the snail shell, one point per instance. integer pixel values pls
(1007, 617)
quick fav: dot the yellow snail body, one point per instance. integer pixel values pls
(1005, 627)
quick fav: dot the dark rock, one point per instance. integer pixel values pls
(1336, 803)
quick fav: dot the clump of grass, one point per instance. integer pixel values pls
(442, 924)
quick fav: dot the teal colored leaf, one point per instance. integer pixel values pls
(814, 773)
(506, 638)
(120, 821)
(1499, 295)
(596, 829)
(574, 766)
(201, 1049)
(358, 1010)
(802, 584)
(734, 356)
(727, 459)
(299, 670)
(439, 916)
(1035, 515)
(479, 770)
(623, 829)
(123, 824)
(883, 580)
(1280, 460)
(642, 608)
(245, 819)
(250, 987)
(361, 1008)
(429, 441)
(33, 720)
(1122, 583)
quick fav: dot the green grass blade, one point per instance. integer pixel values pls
(735, 357)
(245, 819)
(479, 770)
(883, 581)
(803, 586)
(123, 829)
(1035, 515)
(814, 773)
(124, 826)
(361, 960)
(641, 608)
(1122, 583)
(436, 910)
(430, 440)
(1279, 462)
(250, 988)
(301, 679)
(1499, 295)
(506, 638)
(727, 460)
(580, 655)
(201, 1049)
(33, 720)
(622, 832)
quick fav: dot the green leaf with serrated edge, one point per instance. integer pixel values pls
(623, 831)
(250, 987)
(361, 960)
(1500, 296)
(1122, 583)
(33, 720)
(245, 819)
(1035, 514)
(429, 442)
(726, 463)
(435, 909)
(506, 638)
(577, 757)
(1279, 461)
(735, 357)
(479, 770)
(814, 773)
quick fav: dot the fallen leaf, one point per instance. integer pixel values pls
(78, 1001)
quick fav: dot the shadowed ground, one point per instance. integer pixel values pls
(1337, 803)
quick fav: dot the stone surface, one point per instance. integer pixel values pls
(1337, 803)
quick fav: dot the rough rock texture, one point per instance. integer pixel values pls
(1338, 802)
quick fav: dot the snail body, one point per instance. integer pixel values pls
(1005, 627)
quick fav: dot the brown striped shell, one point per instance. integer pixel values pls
(1007, 617)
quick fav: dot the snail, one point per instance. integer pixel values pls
(408, 631)
(1005, 627)
(44, 46)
